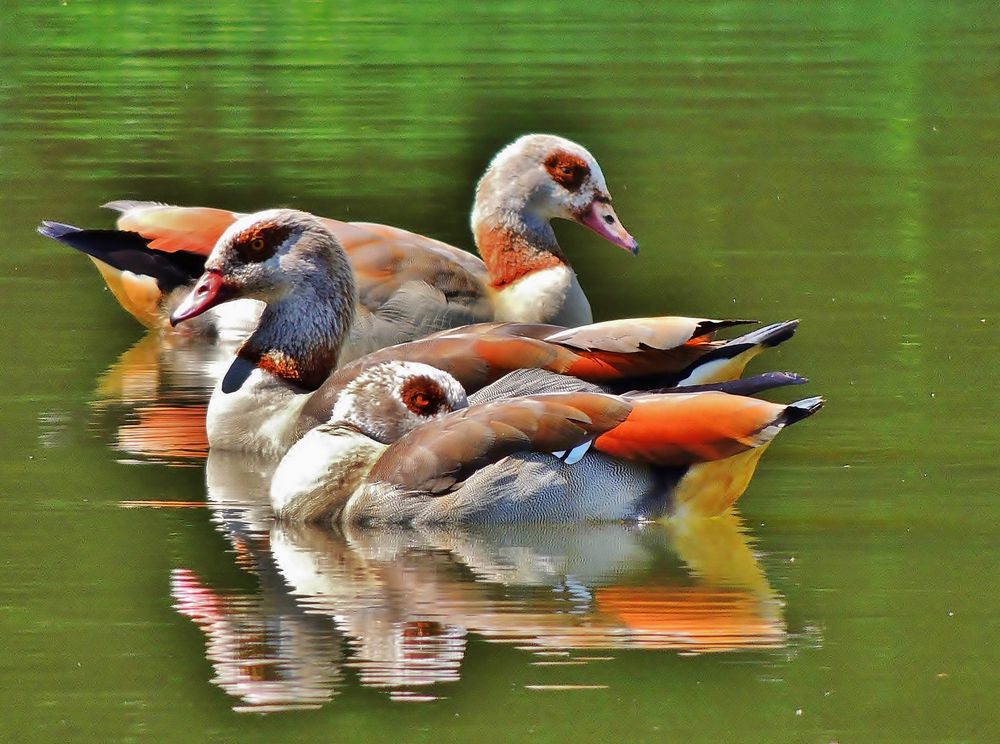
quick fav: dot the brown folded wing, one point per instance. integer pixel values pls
(477, 355)
(384, 258)
(633, 334)
(440, 455)
(474, 360)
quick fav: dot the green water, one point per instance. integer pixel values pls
(835, 162)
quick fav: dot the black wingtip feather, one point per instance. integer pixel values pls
(710, 326)
(769, 335)
(55, 230)
(746, 386)
(801, 409)
(128, 251)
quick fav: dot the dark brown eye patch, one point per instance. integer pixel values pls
(569, 171)
(261, 241)
(423, 396)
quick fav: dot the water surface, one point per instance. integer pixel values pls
(829, 161)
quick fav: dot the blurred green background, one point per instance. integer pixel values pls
(833, 161)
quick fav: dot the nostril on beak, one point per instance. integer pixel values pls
(609, 219)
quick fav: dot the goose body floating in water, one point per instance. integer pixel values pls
(283, 379)
(403, 446)
(424, 285)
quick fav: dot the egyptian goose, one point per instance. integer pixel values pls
(290, 261)
(403, 446)
(158, 250)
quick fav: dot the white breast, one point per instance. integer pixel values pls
(260, 416)
(551, 295)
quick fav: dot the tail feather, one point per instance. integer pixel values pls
(769, 335)
(128, 251)
(746, 386)
(56, 230)
(729, 359)
(701, 362)
(708, 327)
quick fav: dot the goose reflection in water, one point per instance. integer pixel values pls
(397, 606)
(394, 608)
(154, 398)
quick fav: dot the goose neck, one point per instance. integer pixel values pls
(301, 332)
(319, 474)
(515, 244)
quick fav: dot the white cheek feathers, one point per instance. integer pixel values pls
(391, 399)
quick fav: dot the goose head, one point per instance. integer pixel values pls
(317, 476)
(391, 399)
(263, 256)
(540, 177)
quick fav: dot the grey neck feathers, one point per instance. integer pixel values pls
(300, 333)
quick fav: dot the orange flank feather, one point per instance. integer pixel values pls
(605, 366)
(684, 429)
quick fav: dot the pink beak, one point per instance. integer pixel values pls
(601, 218)
(210, 291)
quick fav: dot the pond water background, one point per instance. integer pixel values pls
(836, 162)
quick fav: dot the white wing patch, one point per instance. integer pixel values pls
(573, 456)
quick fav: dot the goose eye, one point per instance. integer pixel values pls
(261, 240)
(567, 171)
(420, 401)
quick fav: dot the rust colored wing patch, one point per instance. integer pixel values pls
(687, 428)
(168, 228)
